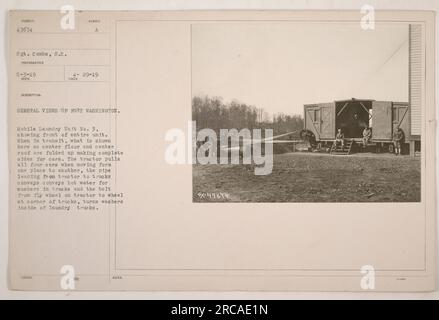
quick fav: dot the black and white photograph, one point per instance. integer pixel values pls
(341, 104)
(161, 151)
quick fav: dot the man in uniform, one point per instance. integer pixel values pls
(398, 140)
(367, 134)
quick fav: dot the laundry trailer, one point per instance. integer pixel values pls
(351, 116)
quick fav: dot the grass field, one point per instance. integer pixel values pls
(308, 177)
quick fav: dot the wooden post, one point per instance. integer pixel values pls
(412, 148)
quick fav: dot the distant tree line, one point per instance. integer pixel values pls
(214, 113)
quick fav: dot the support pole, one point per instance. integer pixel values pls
(412, 148)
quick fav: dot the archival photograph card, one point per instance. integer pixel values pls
(222, 150)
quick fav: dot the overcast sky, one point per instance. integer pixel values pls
(281, 66)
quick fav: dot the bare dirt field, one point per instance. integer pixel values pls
(307, 177)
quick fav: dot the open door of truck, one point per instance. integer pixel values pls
(327, 125)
